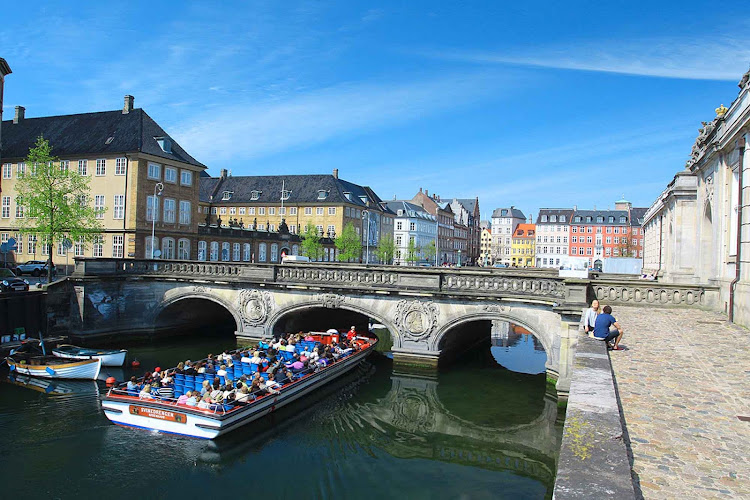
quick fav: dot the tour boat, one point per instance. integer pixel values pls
(166, 415)
(109, 357)
(54, 367)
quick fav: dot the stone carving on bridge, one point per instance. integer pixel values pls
(495, 308)
(199, 289)
(330, 300)
(416, 320)
(254, 306)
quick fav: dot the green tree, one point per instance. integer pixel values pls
(386, 249)
(411, 252)
(56, 201)
(429, 251)
(348, 243)
(311, 245)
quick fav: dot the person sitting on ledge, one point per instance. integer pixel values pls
(602, 328)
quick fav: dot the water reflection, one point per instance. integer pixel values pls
(475, 431)
(516, 348)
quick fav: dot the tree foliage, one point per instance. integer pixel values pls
(311, 245)
(429, 251)
(412, 251)
(386, 249)
(56, 200)
(349, 244)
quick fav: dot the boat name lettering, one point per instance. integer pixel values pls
(144, 411)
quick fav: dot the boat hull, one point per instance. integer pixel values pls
(190, 421)
(77, 370)
(116, 358)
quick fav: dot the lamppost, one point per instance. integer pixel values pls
(437, 238)
(367, 236)
(459, 257)
(158, 188)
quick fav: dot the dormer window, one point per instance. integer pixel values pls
(400, 213)
(285, 194)
(562, 218)
(165, 143)
(322, 194)
(544, 218)
(589, 218)
(599, 219)
(364, 200)
(254, 195)
(348, 195)
(553, 218)
(623, 220)
(227, 195)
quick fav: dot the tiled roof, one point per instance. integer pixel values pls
(605, 214)
(102, 133)
(638, 214)
(567, 212)
(525, 230)
(510, 212)
(409, 208)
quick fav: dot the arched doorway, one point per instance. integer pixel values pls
(195, 316)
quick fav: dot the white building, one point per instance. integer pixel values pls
(415, 224)
(552, 236)
(504, 223)
(698, 231)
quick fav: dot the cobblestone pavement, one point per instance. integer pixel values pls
(683, 380)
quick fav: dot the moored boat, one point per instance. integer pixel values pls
(166, 415)
(109, 357)
(53, 367)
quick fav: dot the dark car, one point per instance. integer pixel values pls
(10, 283)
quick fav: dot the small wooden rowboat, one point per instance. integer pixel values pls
(109, 357)
(54, 367)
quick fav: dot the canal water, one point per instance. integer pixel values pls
(475, 430)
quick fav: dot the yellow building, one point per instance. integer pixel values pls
(128, 157)
(523, 246)
(485, 247)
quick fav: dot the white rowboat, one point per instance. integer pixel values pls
(56, 368)
(109, 357)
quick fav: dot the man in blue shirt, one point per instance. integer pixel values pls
(602, 328)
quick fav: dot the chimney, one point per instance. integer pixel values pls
(427, 193)
(223, 174)
(20, 114)
(420, 190)
(335, 173)
(128, 107)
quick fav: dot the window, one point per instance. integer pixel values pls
(101, 167)
(609, 240)
(331, 229)
(202, 250)
(553, 218)
(399, 225)
(573, 251)
(609, 230)
(588, 251)
(119, 208)
(285, 194)
(398, 240)
(82, 167)
(6, 207)
(227, 195)
(214, 251)
(319, 211)
(32, 244)
(246, 252)
(322, 194)
(167, 248)
(262, 211)
(170, 175)
(236, 252)
(262, 252)
(610, 219)
(19, 210)
(617, 230)
(98, 248)
(242, 210)
(7, 171)
(251, 211)
(271, 210)
(120, 164)
(152, 208)
(331, 210)
(599, 219)
(274, 252)
(282, 210)
(79, 248)
(319, 229)
(223, 210)
(562, 218)
(225, 251)
(254, 195)
(21, 169)
(623, 220)
(293, 211)
(617, 240)
(154, 171)
(232, 210)
(169, 210)
(412, 226)
(213, 210)
(118, 246)
(293, 228)
(186, 177)
(183, 249)
(185, 212)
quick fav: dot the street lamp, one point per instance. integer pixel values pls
(367, 236)
(459, 257)
(158, 188)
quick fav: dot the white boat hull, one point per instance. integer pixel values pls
(191, 421)
(114, 359)
(85, 370)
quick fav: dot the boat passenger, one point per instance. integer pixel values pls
(271, 383)
(243, 396)
(192, 398)
(215, 391)
(166, 391)
(205, 387)
(256, 358)
(205, 402)
(309, 338)
(210, 369)
(201, 368)
(222, 371)
(245, 357)
(182, 400)
(351, 333)
(132, 384)
(180, 368)
(190, 369)
(290, 347)
(146, 392)
(314, 355)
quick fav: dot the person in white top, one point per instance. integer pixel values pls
(313, 356)
(589, 317)
(205, 401)
(290, 347)
(245, 357)
(222, 371)
(256, 359)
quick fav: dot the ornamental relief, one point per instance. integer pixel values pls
(330, 300)
(254, 306)
(416, 320)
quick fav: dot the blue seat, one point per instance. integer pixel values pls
(179, 391)
(253, 367)
(246, 370)
(198, 385)
(189, 379)
(222, 380)
(179, 377)
(264, 375)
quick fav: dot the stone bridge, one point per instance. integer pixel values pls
(420, 307)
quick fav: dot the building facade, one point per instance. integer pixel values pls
(466, 212)
(140, 180)
(414, 225)
(445, 221)
(552, 236)
(485, 244)
(523, 246)
(504, 224)
(698, 229)
(4, 70)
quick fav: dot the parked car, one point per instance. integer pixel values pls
(501, 266)
(34, 268)
(10, 283)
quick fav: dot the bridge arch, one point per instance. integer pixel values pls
(168, 303)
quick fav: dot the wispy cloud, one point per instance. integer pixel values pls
(717, 58)
(254, 130)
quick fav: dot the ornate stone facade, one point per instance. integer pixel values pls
(415, 319)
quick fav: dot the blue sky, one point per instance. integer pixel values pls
(535, 105)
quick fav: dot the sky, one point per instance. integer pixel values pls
(534, 104)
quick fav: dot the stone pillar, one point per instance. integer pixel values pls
(250, 334)
(408, 361)
(568, 341)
